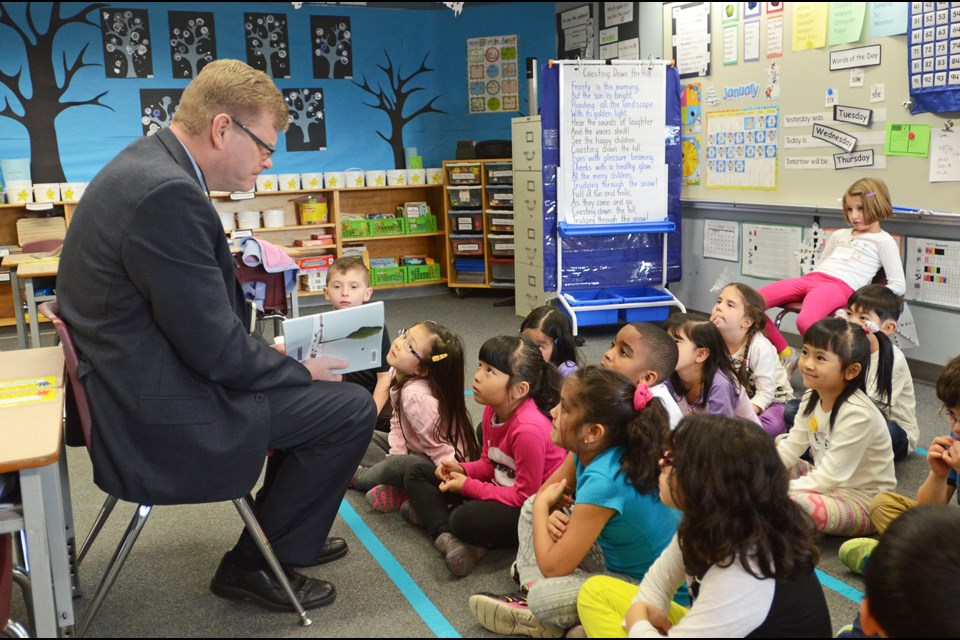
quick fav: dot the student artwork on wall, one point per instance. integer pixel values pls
(933, 271)
(742, 148)
(934, 57)
(332, 46)
(268, 46)
(691, 109)
(157, 107)
(308, 127)
(493, 83)
(126, 43)
(193, 42)
(691, 160)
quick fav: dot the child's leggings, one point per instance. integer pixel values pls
(820, 294)
(602, 605)
(838, 513)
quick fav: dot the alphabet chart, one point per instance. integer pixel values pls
(769, 251)
(933, 272)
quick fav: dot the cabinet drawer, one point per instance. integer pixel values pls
(528, 193)
(529, 244)
(527, 144)
(529, 293)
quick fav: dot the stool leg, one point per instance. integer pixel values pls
(22, 578)
(105, 512)
(264, 545)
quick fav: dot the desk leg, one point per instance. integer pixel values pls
(68, 528)
(57, 535)
(18, 309)
(32, 310)
(295, 304)
(41, 584)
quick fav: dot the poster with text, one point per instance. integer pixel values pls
(493, 75)
(741, 148)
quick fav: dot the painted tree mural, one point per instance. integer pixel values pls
(267, 43)
(393, 100)
(158, 107)
(308, 129)
(332, 46)
(38, 113)
(193, 42)
(126, 43)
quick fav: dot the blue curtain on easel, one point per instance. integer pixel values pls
(607, 261)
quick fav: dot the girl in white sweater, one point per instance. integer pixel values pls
(844, 430)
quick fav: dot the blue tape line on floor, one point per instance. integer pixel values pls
(921, 451)
(424, 607)
(840, 587)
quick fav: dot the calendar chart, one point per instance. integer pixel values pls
(770, 251)
(933, 272)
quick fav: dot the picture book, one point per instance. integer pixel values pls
(354, 334)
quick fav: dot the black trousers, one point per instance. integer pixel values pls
(319, 433)
(484, 523)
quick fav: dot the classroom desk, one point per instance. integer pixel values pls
(23, 269)
(32, 436)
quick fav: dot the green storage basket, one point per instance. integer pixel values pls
(423, 272)
(388, 275)
(420, 224)
(386, 226)
(355, 228)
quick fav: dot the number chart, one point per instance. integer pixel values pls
(769, 251)
(934, 56)
(933, 272)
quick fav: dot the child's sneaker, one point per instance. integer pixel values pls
(515, 573)
(459, 556)
(386, 498)
(353, 478)
(855, 553)
(509, 615)
(409, 515)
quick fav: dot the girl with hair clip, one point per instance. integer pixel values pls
(844, 430)
(613, 431)
(743, 548)
(430, 422)
(850, 260)
(550, 329)
(469, 507)
(705, 380)
(739, 315)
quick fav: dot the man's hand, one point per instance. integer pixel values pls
(322, 368)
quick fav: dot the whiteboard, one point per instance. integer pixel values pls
(806, 175)
(612, 153)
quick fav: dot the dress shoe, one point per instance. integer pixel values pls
(333, 549)
(262, 587)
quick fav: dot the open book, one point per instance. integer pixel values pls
(354, 334)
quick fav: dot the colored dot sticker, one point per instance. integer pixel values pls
(814, 425)
(912, 136)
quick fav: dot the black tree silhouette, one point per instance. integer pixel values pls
(393, 100)
(40, 110)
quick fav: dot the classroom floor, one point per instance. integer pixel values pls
(392, 583)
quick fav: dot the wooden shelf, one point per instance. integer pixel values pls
(405, 285)
(394, 237)
(299, 251)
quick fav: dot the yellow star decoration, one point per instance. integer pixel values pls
(68, 194)
(379, 181)
(291, 184)
(313, 183)
(333, 182)
(814, 425)
(49, 194)
(415, 179)
(359, 181)
(268, 185)
(22, 196)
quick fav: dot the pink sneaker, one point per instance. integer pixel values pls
(386, 498)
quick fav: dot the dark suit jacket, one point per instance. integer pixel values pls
(147, 284)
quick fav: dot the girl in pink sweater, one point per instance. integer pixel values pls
(430, 422)
(518, 388)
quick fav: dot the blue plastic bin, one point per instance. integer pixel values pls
(590, 298)
(642, 294)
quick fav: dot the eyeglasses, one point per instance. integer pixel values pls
(263, 145)
(948, 415)
(403, 334)
(666, 460)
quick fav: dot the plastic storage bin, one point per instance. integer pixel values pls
(590, 298)
(469, 270)
(386, 226)
(468, 197)
(499, 172)
(423, 272)
(501, 246)
(420, 224)
(355, 228)
(388, 275)
(466, 221)
(500, 197)
(500, 220)
(642, 294)
(502, 269)
(467, 245)
(463, 173)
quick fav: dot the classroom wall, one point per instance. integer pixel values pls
(90, 136)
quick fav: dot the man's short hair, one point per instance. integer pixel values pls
(346, 264)
(660, 349)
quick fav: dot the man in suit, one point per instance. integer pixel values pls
(187, 403)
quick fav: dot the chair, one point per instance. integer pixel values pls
(7, 626)
(79, 401)
(794, 307)
(275, 298)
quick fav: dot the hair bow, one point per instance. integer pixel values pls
(870, 327)
(641, 397)
(841, 313)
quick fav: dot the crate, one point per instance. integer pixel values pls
(386, 226)
(500, 220)
(388, 275)
(423, 273)
(590, 298)
(468, 197)
(355, 228)
(466, 221)
(501, 246)
(502, 269)
(467, 245)
(470, 277)
(420, 224)
(469, 264)
(499, 172)
(500, 197)
(642, 294)
(463, 173)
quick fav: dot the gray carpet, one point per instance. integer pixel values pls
(163, 590)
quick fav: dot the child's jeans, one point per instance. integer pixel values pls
(380, 468)
(820, 294)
